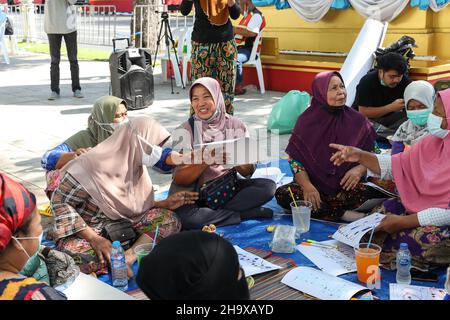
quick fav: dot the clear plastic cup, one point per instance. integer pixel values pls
(142, 250)
(301, 216)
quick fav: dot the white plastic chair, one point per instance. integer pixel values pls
(185, 57)
(3, 42)
(255, 60)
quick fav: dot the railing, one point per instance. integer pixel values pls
(96, 25)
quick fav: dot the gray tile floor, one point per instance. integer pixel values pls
(30, 124)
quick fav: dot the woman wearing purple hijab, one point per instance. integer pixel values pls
(331, 190)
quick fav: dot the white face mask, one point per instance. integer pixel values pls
(112, 125)
(434, 126)
(149, 160)
(29, 238)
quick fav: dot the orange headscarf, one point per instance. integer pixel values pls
(216, 11)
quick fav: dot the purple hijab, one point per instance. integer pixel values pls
(317, 127)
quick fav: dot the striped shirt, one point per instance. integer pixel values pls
(22, 288)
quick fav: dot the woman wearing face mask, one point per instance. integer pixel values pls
(419, 102)
(422, 176)
(331, 190)
(193, 265)
(20, 235)
(111, 182)
(106, 115)
(211, 124)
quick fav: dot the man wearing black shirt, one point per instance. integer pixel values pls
(379, 94)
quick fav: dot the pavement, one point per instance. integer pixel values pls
(31, 124)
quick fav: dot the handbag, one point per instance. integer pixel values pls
(120, 230)
(216, 193)
(9, 30)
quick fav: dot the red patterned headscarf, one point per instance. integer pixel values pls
(16, 205)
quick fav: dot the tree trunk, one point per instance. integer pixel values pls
(146, 24)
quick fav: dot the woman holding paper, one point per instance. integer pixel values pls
(210, 123)
(422, 178)
(20, 239)
(331, 190)
(111, 183)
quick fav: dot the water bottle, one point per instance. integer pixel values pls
(403, 264)
(119, 274)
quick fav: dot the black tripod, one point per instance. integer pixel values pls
(168, 39)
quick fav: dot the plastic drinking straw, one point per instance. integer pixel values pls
(156, 235)
(370, 239)
(295, 203)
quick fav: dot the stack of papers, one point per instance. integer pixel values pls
(272, 173)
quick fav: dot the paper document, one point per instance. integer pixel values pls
(252, 264)
(86, 287)
(352, 233)
(320, 284)
(408, 292)
(272, 173)
(332, 261)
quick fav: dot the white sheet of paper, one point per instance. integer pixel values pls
(285, 180)
(352, 233)
(332, 261)
(86, 287)
(320, 284)
(408, 292)
(272, 173)
(252, 264)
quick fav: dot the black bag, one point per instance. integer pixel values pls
(120, 230)
(216, 193)
(9, 30)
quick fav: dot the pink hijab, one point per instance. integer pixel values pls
(422, 174)
(219, 127)
(112, 172)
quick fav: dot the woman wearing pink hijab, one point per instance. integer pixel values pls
(211, 124)
(422, 177)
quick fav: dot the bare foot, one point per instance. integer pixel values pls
(350, 216)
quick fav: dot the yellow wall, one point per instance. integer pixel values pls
(337, 31)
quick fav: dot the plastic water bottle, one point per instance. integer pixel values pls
(403, 264)
(118, 267)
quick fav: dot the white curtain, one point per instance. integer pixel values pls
(381, 10)
(435, 7)
(311, 10)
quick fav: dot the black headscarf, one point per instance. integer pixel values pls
(192, 265)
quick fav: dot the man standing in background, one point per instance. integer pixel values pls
(60, 21)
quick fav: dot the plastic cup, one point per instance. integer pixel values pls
(367, 262)
(142, 250)
(301, 216)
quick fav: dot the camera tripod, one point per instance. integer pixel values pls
(168, 40)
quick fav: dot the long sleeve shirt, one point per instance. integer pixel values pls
(427, 217)
(204, 31)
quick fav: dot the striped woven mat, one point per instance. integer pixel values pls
(267, 286)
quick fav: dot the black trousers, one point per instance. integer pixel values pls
(54, 41)
(253, 194)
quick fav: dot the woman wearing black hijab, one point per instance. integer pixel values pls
(193, 265)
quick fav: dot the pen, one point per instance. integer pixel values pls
(317, 245)
(321, 244)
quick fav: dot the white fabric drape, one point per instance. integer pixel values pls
(311, 10)
(381, 10)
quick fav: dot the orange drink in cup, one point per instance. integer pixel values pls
(367, 261)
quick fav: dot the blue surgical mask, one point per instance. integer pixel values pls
(434, 126)
(383, 83)
(418, 117)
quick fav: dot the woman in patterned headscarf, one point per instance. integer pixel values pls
(20, 234)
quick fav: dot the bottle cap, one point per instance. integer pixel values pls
(403, 245)
(116, 244)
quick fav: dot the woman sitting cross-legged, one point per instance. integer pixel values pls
(211, 123)
(422, 176)
(109, 183)
(331, 190)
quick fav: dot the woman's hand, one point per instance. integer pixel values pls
(80, 151)
(311, 194)
(179, 199)
(352, 177)
(394, 224)
(102, 248)
(344, 154)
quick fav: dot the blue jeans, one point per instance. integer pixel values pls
(242, 57)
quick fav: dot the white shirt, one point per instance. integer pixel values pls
(429, 217)
(255, 23)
